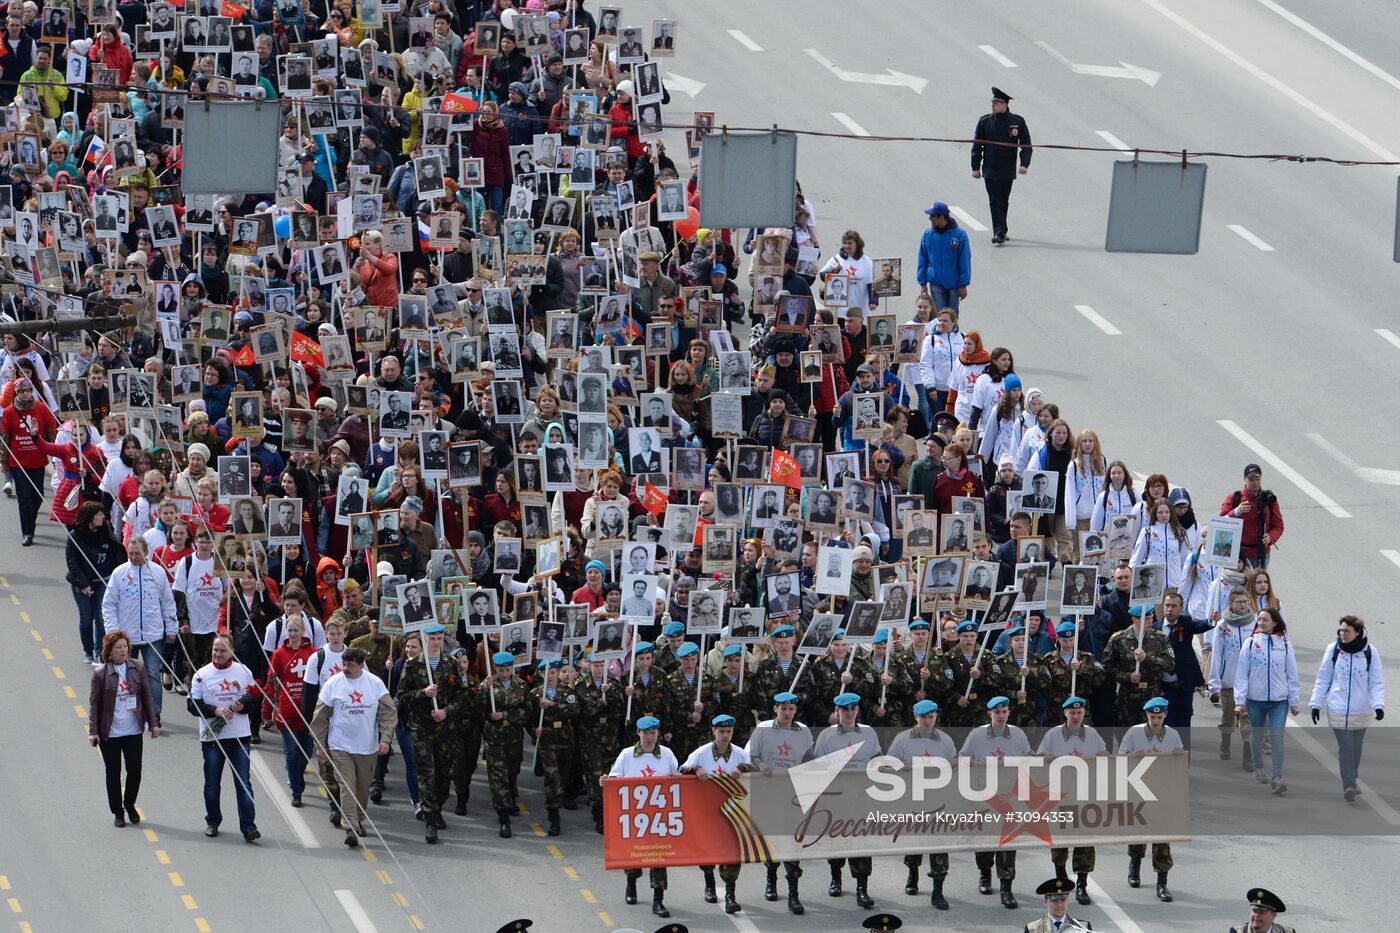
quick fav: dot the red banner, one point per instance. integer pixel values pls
(653, 500)
(784, 469)
(678, 820)
(458, 103)
(306, 350)
(244, 357)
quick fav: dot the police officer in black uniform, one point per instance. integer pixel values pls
(1001, 137)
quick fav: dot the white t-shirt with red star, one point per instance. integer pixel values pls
(707, 758)
(633, 762)
(124, 721)
(354, 706)
(221, 687)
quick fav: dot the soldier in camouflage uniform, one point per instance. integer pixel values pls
(353, 612)
(726, 696)
(919, 666)
(505, 703)
(601, 701)
(649, 691)
(1063, 667)
(837, 672)
(1138, 670)
(897, 694)
(435, 702)
(1025, 706)
(687, 715)
(665, 658)
(468, 745)
(554, 730)
(774, 674)
(958, 671)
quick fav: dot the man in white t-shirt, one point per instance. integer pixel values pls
(352, 725)
(648, 758)
(293, 605)
(713, 759)
(1153, 737)
(216, 695)
(203, 592)
(1074, 738)
(321, 667)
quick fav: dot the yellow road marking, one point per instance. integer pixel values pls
(524, 810)
(80, 712)
(14, 906)
(5, 582)
(14, 599)
(48, 655)
(58, 672)
(368, 855)
(607, 919)
(402, 901)
(24, 927)
(537, 829)
(151, 836)
(25, 617)
(175, 879)
(188, 902)
(588, 895)
(201, 925)
(383, 876)
(570, 873)
(554, 850)
(417, 924)
(4, 883)
(162, 856)
(69, 692)
(38, 637)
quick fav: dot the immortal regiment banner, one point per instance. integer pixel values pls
(819, 811)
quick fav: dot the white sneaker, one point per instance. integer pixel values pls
(9, 489)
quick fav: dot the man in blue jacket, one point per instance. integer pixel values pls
(945, 259)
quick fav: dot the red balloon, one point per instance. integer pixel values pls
(685, 229)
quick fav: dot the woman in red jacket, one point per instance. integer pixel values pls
(285, 673)
(491, 144)
(379, 271)
(624, 123)
(82, 468)
(109, 52)
(501, 505)
(957, 479)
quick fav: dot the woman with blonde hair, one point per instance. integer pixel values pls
(1083, 482)
(1260, 586)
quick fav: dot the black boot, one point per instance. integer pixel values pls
(505, 831)
(731, 905)
(657, 907)
(984, 881)
(770, 886)
(1060, 873)
(794, 905)
(553, 820)
(597, 810)
(709, 895)
(1163, 894)
(438, 821)
(1134, 872)
(936, 898)
(1008, 900)
(911, 884)
(629, 895)
(834, 889)
(461, 808)
(1224, 745)
(863, 899)
(570, 803)
(376, 793)
(429, 832)
(1081, 888)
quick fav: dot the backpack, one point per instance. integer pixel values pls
(1336, 649)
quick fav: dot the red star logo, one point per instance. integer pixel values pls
(784, 749)
(647, 771)
(356, 697)
(206, 580)
(123, 687)
(719, 769)
(226, 685)
(1040, 802)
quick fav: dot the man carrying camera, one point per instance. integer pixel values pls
(1259, 510)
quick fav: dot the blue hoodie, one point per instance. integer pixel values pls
(945, 257)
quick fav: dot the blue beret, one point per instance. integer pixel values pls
(648, 722)
(731, 651)
(686, 650)
(673, 629)
(1018, 630)
(994, 702)
(784, 631)
(785, 697)
(924, 707)
(1156, 704)
(839, 633)
(643, 647)
(1064, 629)
(434, 628)
(846, 700)
(967, 627)
(1137, 612)
(1073, 703)
(723, 719)
(548, 663)
(882, 636)
(918, 625)
(502, 657)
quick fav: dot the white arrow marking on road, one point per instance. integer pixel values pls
(967, 220)
(894, 78)
(688, 86)
(1368, 474)
(745, 41)
(1098, 320)
(1288, 473)
(1114, 141)
(850, 124)
(1250, 238)
(1121, 70)
(1389, 337)
(355, 911)
(997, 57)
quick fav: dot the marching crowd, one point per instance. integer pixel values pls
(365, 478)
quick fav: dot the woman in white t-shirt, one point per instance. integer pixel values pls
(852, 261)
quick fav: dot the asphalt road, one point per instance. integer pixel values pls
(1280, 343)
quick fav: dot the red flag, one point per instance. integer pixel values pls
(783, 469)
(654, 500)
(458, 103)
(306, 350)
(245, 357)
(231, 10)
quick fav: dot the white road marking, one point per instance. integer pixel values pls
(1310, 743)
(1250, 238)
(892, 77)
(1331, 43)
(850, 124)
(745, 41)
(1098, 320)
(967, 220)
(1389, 337)
(1114, 141)
(1121, 70)
(1116, 914)
(1288, 473)
(1391, 555)
(687, 86)
(997, 57)
(743, 924)
(1306, 103)
(279, 795)
(351, 905)
(1369, 474)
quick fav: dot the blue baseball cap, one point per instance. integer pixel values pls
(723, 719)
(937, 208)
(731, 651)
(719, 269)
(673, 629)
(686, 650)
(784, 631)
(847, 700)
(924, 707)
(787, 696)
(1073, 703)
(643, 647)
(994, 702)
(1065, 629)
(648, 722)
(1155, 705)
(502, 657)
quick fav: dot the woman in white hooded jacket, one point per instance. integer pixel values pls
(1084, 480)
(1164, 542)
(1351, 682)
(942, 344)
(1266, 685)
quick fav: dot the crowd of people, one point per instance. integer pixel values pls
(468, 440)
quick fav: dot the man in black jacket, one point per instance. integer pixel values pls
(1111, 617)
(1000, 138)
